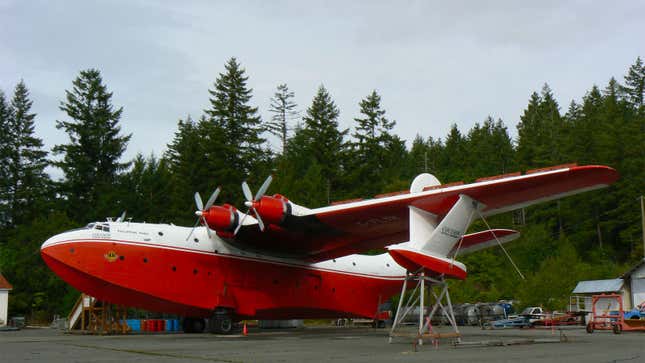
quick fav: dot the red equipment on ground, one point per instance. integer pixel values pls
(612, 319)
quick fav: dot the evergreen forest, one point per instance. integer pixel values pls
(593, 235)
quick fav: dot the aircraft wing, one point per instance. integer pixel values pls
(338, 230)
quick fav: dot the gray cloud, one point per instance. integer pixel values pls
(434, 63)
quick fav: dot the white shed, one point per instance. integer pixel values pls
(635, 285)
(5, 287)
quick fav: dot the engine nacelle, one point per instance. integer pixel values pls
(273, 210)
(221, 218)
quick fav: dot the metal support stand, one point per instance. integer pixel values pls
(440, 303)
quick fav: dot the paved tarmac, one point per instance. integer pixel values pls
(320, 344)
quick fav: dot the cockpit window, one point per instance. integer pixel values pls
(102, 227)
(90, 225)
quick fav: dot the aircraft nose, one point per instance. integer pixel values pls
(51, 241)
(49, 247)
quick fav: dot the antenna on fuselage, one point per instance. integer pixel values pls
(122, 217)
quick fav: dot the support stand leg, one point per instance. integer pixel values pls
(440, 303)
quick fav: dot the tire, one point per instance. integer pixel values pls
(223, 326)
(589, 328)
(221, 322)
(617, 328)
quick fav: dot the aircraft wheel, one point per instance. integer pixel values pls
(224, 326)
(221, 322)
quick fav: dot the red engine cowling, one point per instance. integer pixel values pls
(221, 218)
(273, 210)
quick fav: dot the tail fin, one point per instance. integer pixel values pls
(450, 230)
(431, 243)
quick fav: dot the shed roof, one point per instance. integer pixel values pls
(629, 273)
(4, 284)
(596, 286)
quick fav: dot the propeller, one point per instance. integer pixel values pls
(251, 202)
(200, 210)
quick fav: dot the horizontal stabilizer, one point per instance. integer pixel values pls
(484, 239)
(413, 260)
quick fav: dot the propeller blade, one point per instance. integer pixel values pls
(260, 223)
(263, 188)
(192, 230)
(208, 230)
(212, 199)
(247, 192)
(239, 225)
(198, 201)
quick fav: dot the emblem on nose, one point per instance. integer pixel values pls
(111, 256)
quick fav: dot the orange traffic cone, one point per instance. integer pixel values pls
(244, 330)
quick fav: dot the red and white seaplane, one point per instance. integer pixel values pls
(284, 261)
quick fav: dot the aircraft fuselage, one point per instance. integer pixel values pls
(152, 266)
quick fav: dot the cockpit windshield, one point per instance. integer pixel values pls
(102, 227)
(105, 227)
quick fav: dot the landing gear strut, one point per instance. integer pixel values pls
(221, 322)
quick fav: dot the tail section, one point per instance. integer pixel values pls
(451, 228)
(432, 239)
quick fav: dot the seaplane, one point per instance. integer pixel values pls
(280, 260)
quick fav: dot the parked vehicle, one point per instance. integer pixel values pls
(533, 314)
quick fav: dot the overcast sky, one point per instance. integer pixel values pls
(433, 62)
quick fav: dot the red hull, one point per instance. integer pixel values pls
(193, 283)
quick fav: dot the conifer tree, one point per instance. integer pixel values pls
(541, 131)
(490, 149)
(634, 88)
(239, 122)
(147, 190)
(283, 109)
(553, 135)
(28, 180)
(528, 130)
(91, 158)
(455, 156)
(371, 154)
(186, 162)
(324, 140)
(6, 138)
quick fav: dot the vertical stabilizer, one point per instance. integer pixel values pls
(430, 243)
(451, 228)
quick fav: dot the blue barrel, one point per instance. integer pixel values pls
(134, 324)
(175, 325)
